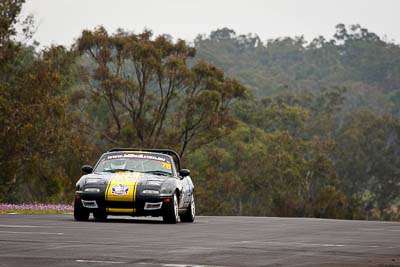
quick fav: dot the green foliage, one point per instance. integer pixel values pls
(303, 156)
(368, 156)
(321, 91)
(264, 174)
(330, 203)
(37, 128)
(288, 64)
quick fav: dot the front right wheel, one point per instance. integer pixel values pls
(171, 213)
(80, 213)
(100, 216)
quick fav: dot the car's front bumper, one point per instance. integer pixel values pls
(141, 206)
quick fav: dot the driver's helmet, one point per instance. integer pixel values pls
(118, 164)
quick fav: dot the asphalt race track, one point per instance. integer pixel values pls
(57, 240)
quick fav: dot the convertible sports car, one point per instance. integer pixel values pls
(136, 182)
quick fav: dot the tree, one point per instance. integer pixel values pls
(367, 156)
(153, 96)
(36, 130)
(10, 20)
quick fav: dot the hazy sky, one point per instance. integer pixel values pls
(61, 21)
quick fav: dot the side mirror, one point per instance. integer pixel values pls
(87, 169)
(184, 172)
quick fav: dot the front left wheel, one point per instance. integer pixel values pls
(171, 213)
(190, 214)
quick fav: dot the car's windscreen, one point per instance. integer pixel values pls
(135, 162)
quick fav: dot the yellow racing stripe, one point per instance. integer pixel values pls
(121, 210)
(122, 187)
(134, 193)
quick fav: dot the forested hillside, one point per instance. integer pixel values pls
(320, 134)
(278, 127)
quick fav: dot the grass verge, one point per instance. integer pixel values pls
(6, 208)
(35, 211)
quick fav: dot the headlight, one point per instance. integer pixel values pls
(96, 190)
(167, 189)
(154, 182)
(150, 192)
(94, 181)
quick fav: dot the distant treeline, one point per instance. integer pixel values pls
(275, 128)
(320, 135)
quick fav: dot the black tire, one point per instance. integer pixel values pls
(190, 214)
(171, 212)
(80, 213)
(100, 216)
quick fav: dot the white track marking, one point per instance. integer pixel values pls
(188, 265)
(30, 233)
(72, 242)
(93, 261)
(67, 246)
(20, 226)
(301, 244)
(380, 229)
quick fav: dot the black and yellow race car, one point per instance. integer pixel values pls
(136, 182)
